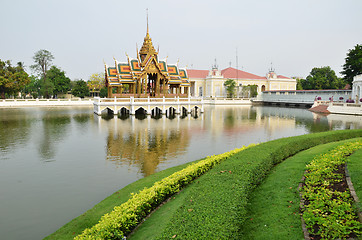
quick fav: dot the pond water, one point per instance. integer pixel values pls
(55, 163)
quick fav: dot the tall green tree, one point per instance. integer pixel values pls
(230, 85)
(322, 78)
(80, 89)
(299, 84)
(33, 87)
(353, 64)
(13, 79)
(61, 83)
(96, 83)
(43, 61)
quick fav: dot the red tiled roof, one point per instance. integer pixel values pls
(281, 76)
(227, 73)
(193, 73)
(234, 73)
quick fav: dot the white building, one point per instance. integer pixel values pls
(210, 83)
(357, 88)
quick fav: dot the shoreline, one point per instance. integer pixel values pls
(10, 103)
(13, 103)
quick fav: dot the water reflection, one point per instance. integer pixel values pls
(144, 143)
(14, 130)
(55, 128)
(44, 128)
(93, 156)
(343, 121)
(147, 142)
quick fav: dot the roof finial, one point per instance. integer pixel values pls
(147, 20)
(215, 66)
(271, 67)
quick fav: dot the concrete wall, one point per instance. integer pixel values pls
(45, 102)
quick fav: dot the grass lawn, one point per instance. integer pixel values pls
(274, 205)
(92, 216)
(354, 165)
(210, 207)
(273, 211)
(214, 206)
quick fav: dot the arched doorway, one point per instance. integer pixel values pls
(263, 88)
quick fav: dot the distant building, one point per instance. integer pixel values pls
(210, 83)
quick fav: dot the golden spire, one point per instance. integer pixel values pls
(147, 46)
(147, 22)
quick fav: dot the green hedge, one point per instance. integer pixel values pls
(329, 212)
(124, 218)
(221, 213)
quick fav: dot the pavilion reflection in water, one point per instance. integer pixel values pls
(147, 143)
(150, 144)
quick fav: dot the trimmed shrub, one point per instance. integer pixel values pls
(252, 168)
(224, 210)
(124, 218)
(329, 212)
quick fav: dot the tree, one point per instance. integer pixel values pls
(61, 83)
(96, 83)
(103, 92)
(230, 85)
(46, 88)
(12, 79)
(322, 78)
(299, 83)
(250, 91)
(43, 59)
(353, 65)
(80, 89)
(33, 87)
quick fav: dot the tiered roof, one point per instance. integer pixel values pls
(146, 62)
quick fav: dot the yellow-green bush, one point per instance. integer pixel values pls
(329, 212)
(125, 217)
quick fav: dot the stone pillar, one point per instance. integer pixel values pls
(109, 92)
(132, 110)
(139, 86)
(134, 88)
(178, 105)
(157, 88)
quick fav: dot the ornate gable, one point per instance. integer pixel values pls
(146, 75)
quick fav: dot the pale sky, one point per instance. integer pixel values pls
(294, 35)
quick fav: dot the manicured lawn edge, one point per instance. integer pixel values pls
(329, 212)
(124, 218)
(217, 205)
(274, 206)
(271, 153)
(354, 166)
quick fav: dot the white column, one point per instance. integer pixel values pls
(132, 111)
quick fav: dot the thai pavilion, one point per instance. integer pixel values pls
(146, 76)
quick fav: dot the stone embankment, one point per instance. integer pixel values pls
(45, 102)
(337, 107)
